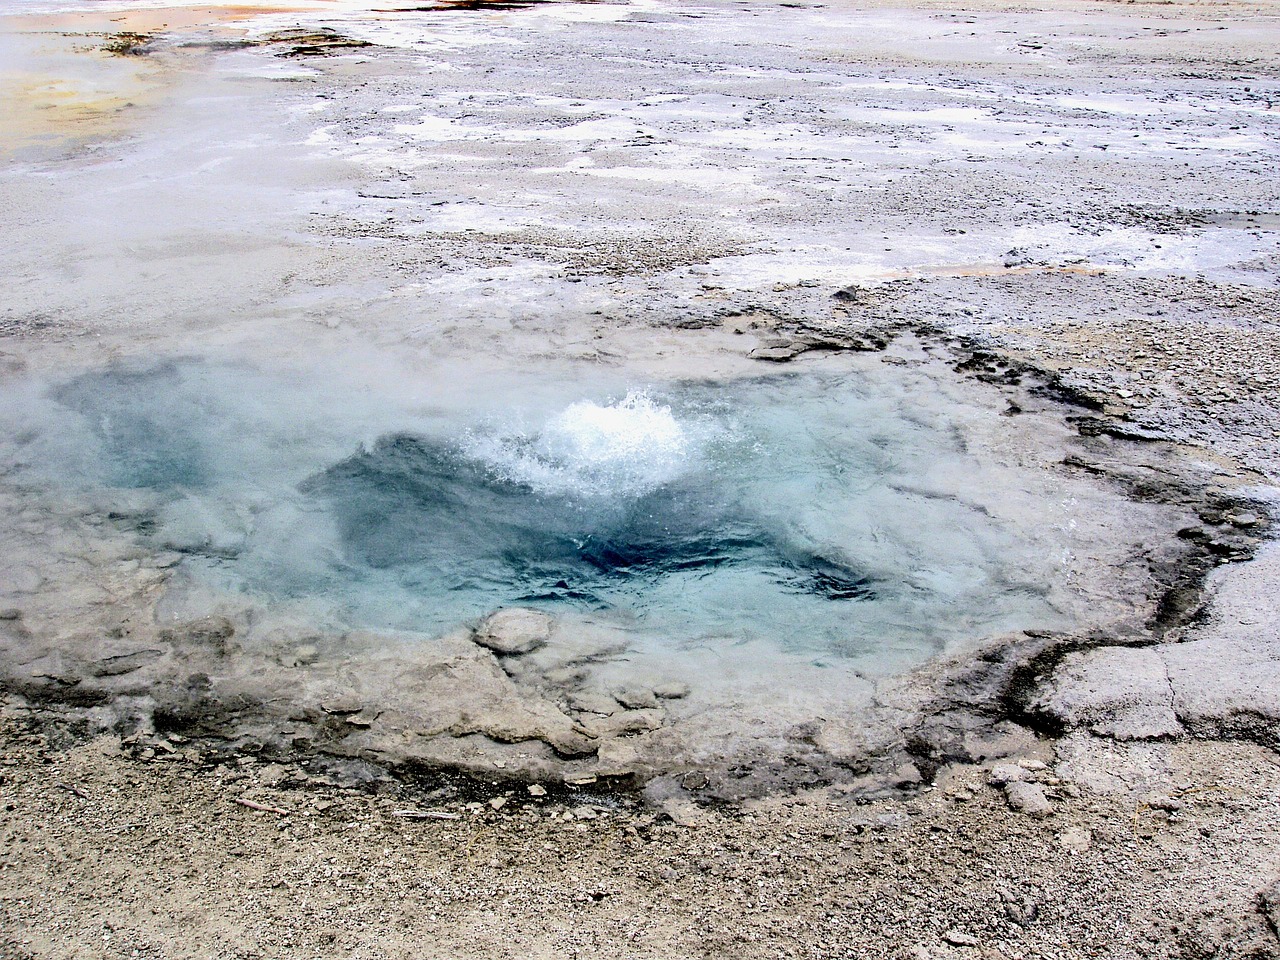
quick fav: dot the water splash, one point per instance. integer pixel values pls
(625, 449)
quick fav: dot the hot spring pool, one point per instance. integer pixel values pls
(856, 514)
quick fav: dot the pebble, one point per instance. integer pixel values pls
(1003, 773)
(637, 698)
(272, 774)
(1028, 798)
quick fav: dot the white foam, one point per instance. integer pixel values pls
(623, 449)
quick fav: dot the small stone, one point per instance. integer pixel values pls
(364, 718)
(637, 699)
(1244, 519)
(536, 790)
(497, 803)
(272, 774)
(338, 706)
(1003, 773)
(958, 938)
(597, 703)
(695, 780)
(22, 580)
(514, 631)
(622, 724)
(1167, 804)
(1028, 798)
(684, 813)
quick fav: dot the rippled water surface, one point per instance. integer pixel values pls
(832, 514)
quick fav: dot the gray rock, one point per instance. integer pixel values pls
(304, 654)
(20, 580)
(958, 938)
(637, 698)
(624, 723)
(1003, 773)
(343, 703)
(272, 774)
(122, 663)
(514, 631)
(671, 691)
(1028, 798)
(685, 813)
(1223, 678)
(598, 703)
(1119, 692)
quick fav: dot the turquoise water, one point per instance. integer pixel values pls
(837, 515)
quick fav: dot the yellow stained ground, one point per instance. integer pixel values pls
(59, 87)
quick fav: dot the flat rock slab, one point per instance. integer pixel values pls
(1224, 675)
(514, 631)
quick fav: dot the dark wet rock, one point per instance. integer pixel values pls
(1268, 901)
(673, 690)
(783, 350)
(123, 663)
(302, 42)
(514, 631)
(128, 44)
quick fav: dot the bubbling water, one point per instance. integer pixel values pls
(620, 450)
(839, 515)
